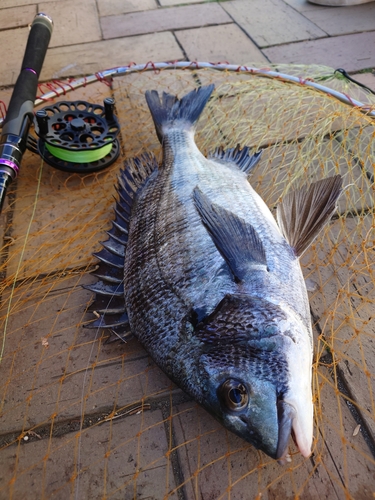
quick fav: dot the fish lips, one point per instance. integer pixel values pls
(290, 423)
(286, 413)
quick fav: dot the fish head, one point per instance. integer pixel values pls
(248, 383)
(243, 402)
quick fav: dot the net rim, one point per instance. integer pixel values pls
(62, 88)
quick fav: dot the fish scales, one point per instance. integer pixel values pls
(189, 168)
(212, 287)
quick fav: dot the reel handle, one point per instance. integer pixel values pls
(20, 111)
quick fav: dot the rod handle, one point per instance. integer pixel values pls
(24, 93)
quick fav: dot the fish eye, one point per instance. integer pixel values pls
(233, 394)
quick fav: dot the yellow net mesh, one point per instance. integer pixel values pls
(84, 419)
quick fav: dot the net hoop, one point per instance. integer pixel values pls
(64, 87)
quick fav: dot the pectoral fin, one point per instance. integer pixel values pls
(302, 214)
(235, 239)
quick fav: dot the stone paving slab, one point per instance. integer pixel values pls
(168, 3)
(129, 92)
(16, 3)
(214, 461)
(340, 453)
(16, 17)
(271, 22)
(303, 112)
(11, 59)
(201, 44)
(53, 369)
(74, 22)
(350, 336)
(57, 217)
(336, 21)
(367, 79)
(174, 18)
(351, 52)
(89, 58)
(116, 459)
(304, 5)
(59, 206)
(271, 178)
(116, 7)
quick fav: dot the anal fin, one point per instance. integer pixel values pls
(236, 239)
(302, 214)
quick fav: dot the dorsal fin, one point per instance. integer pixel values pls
(238, 156)
(302, 214)
(109, 302)
(236, 240)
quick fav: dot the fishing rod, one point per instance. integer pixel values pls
(13, 139)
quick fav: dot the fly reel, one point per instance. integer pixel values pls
(77, 136)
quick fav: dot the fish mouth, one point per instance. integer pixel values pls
(289, 425)
(286, 413)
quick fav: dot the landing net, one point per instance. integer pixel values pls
(82, 418)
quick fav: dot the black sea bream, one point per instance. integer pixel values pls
(212, 284)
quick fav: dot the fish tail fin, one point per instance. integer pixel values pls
(169, 110)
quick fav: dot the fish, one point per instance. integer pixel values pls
(199, 270)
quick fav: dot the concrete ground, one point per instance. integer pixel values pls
(141, 437)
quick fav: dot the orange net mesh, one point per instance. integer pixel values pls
(84, 419)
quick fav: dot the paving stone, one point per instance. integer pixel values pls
(50, 218)
(272, 177)
(15, 3)
(117, 459)
(130, 91)
(214, 461)
(271, 22)
(351, 52)
(116, 7)
(367, 79)
(202, 45)
(217, 464)
(336, 21)
(343, 304)
(53, 208)
(53, 368)
(74, 22)
(337, 451)
(251, 114)
(167, 3)
(303, 5)
(10, 62)
(174, 18)
(97, 56)
(16, 17)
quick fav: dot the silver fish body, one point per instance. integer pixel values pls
(213, 289)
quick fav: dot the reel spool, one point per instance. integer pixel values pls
(77, 136)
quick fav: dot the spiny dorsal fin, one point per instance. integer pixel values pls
(236, 240)
(170, 109)
(302, 214)
(238, 156)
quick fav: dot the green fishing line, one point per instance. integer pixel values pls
(79, 156)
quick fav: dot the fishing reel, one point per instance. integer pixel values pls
(76, 136)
